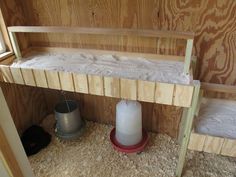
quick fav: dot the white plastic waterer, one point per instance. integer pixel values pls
(128, 122)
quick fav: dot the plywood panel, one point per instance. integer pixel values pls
(213, 144)
(95, 85)
(183, 95)
(81, 83)
(27, 104)
(229, 148)
(164, 93)
(66, 81)
(128, 89)
(112, 87)
(28, 77)
(146, 91)
(17, 75)
(40, 78)
(53, 79)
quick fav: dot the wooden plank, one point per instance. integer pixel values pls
(40, 78)
(15, 45)
(188, 55)
(146, 91)
(187, 127)
(95, 85)
(66, 81)
(28, 77)
(183, 95)
(81, 83)
(6, 74)
(164, 93)
(8, 155)
(213, 144)
(17, 75)
(218, 87)
(128, 89)
(196, 141)
(229, 148)
(103, 31)
(53, 79)
(112, 87)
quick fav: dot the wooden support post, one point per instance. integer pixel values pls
(15, 45)
(187, 128)
(188, 54)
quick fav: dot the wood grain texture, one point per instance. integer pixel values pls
(164, 93)
(6, 74)
(17, 75)
(66, 80)
(196, 141)
(229, 148)
(40, 78)
(183, 95)
(53, 79)
(95, 84)
(112, 87)
(146, 91)
(213, 144)
(128, 89)
(28, 77)
(81, 83)
(27, 104)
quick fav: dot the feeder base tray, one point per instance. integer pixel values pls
(128, 149)
(70, 136)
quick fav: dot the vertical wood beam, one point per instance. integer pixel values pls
(15, 45)
(188, 54)
(187, 130)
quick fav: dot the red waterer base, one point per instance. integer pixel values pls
(128, 149)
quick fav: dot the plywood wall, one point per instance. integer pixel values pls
(213, 21)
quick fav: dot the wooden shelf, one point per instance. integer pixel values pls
(133, 89)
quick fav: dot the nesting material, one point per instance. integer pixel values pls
(217, 117)
(93, 155)
(108, 65)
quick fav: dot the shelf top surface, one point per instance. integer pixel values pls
(109, 65)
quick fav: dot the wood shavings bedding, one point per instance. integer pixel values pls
(217, 117)
(108, 65)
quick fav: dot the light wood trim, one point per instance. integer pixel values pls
(196, 142)
(218, 87)
(28, 76)
(164, 93)
(213, 144)
(112, 87)
(17, 76)
(8, 156)
(53, 79)
(40, 78)
(229, 148)
(146, 91)
(15, 45)
(102, 31)
(81, 83)
(183, 95)
(187, 127)
(66, 81)
(128, 89)
(95, 85)
(188, 56)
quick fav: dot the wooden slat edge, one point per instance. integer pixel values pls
(218, 87)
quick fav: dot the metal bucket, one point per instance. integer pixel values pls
(67, 116)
